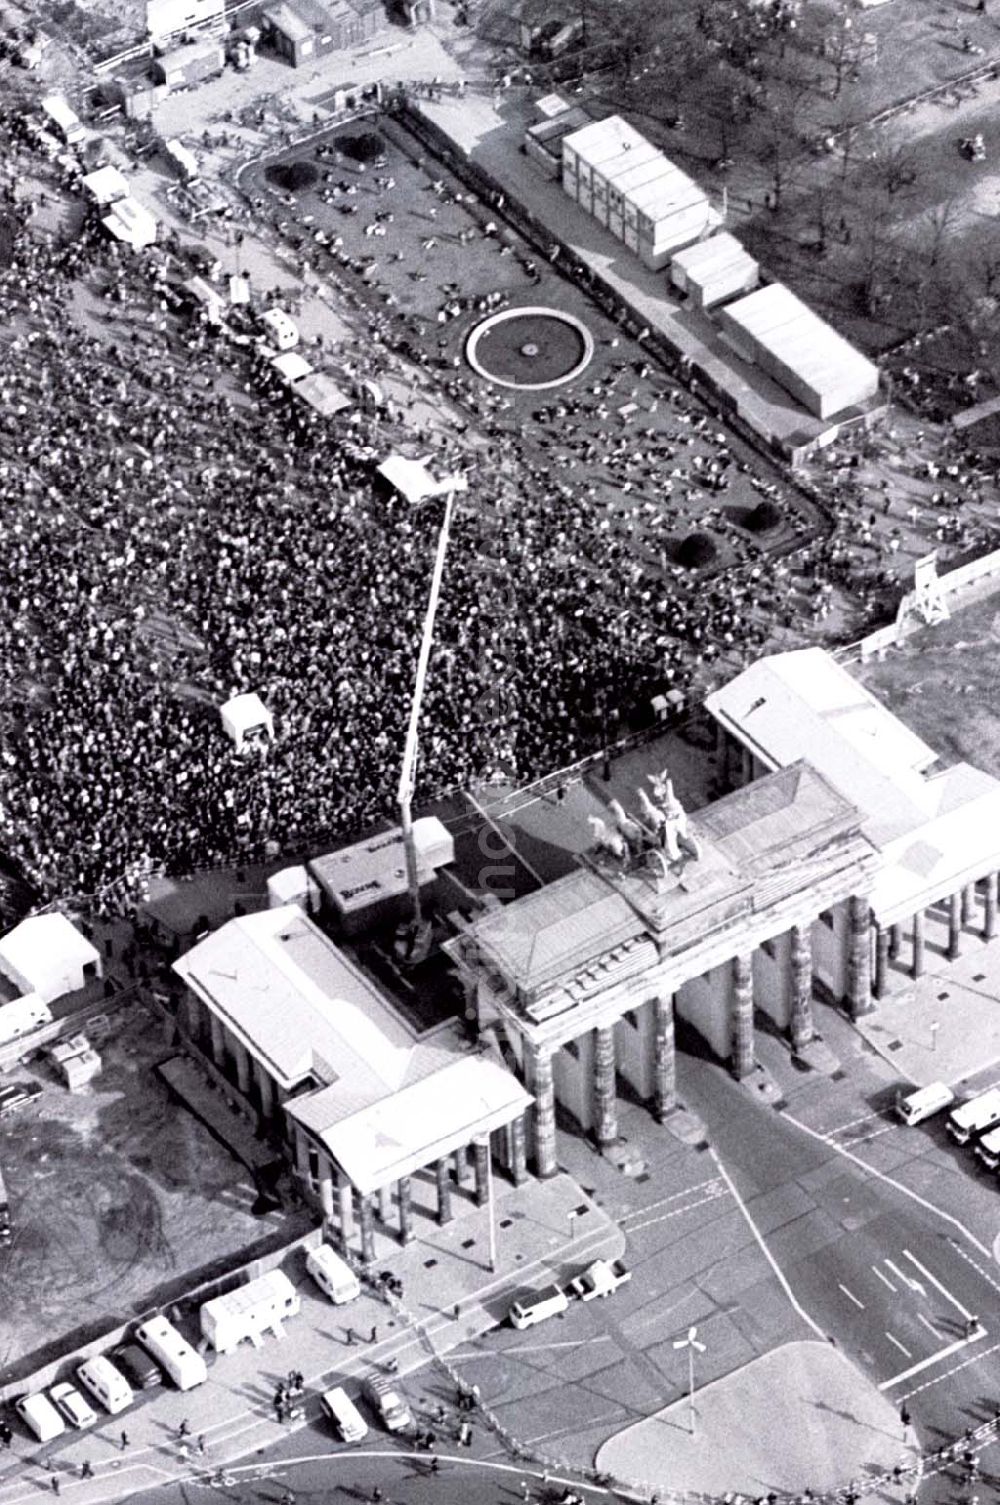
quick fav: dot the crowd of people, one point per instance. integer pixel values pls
(176, 535)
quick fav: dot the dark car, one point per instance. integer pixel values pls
(17, 1095)
(141, 1371)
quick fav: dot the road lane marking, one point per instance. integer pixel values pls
(765, 1250)
(884, 1279)
(928, 1384)
(676, 1212)
(637, 1212)
(935, 1282)
(977, 1267)
(935, 1358)
(907, 1280)
(904, 1351)
(929, 1325)
(906, 1191)
(503, 1353)
(851, 1297)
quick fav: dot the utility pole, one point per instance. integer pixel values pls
(408, 773)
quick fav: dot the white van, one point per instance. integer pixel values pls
(988, 1150)
(106, 1383)
(344, 1414)
(40, 1416)
(64, 120)
(975, 1117)
(280, 329)
(173, 1353)
(914, 1107)
(332, 1274)
(535, 1308)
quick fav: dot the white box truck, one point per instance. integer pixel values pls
(63, 119)
(332, 1274)
(250, 1311)
(975, 1117)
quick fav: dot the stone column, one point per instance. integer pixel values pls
(859, 956)
(721, 755)
(366, 1216)
(385, 1204)
(518, 1156)
(746, 765)
(442, 1170)
(405, 1187)
(882, 946)
(242, 1058)
(954, 926)
(968, 904)
(538, 1070)
(192, 1014)
(605, 1092)
(917, 968)
(482, 1155)
(326, 1188)
(990, 907)
(895, 940)
(741, 1016)
(266, 1089)
(218, 1041)
(800, 1024)
(664, 1059)
(345, 1196)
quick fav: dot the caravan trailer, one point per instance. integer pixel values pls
(249, 1311)
(173, 1353)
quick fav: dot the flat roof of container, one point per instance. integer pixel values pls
(799, 338)
(707, 258)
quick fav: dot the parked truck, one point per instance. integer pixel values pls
(602, 1278)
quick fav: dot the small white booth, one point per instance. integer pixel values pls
(414, 481)
(293, 885)
(250, 1311)
(247, 721)
(48, 956)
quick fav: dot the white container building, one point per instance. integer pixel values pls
(714, 270)
(629, 185)
(775, 330)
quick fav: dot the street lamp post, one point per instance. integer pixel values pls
(571, 1218)
(935, 1026)
(691, 1343)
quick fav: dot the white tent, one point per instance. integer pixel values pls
(130, 223)
(413, 480)
(47, 955)
(244, 718)
(291, 366)
(106, 186)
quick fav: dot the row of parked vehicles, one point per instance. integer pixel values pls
(975, 1122)
(158, 1351)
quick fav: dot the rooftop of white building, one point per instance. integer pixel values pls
(379, 1096)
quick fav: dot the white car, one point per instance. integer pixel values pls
(550, 1302)
(77, 1411)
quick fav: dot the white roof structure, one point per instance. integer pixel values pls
(387, 1101)
(413, 480)
(934, 830)
(106, 185)
(321, 392)
(646, 179)
(550, 105)
(47, 955)
(130, 223)
(291, 885)
(356, 877)
(800, 350)
(243, 715)
(714, 269)
(291, 366)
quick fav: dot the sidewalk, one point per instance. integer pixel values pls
(449, 1291)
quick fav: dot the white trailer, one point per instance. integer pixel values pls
(249, 1312)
